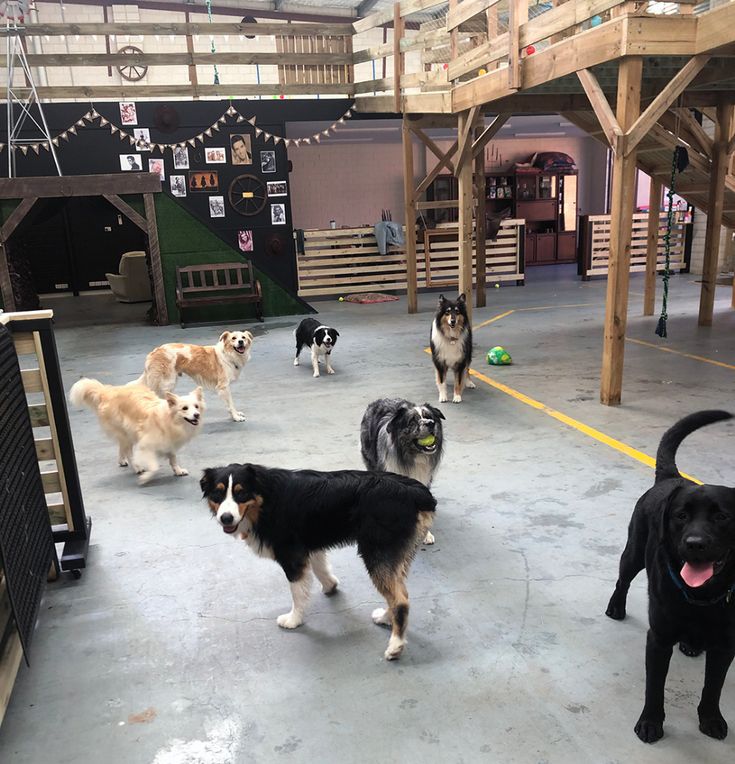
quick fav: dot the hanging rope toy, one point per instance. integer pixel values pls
(679, 163)
(214, 50)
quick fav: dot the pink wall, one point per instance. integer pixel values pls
(347, 182)
(352, 182)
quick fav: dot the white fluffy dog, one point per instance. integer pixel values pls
(144, 426)
(211, 366)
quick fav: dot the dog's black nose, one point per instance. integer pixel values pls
(196, 415)
(694, 543)
(227, 519)
(430, 426)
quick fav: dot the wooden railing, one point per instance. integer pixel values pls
(347, 260)
(595, 249)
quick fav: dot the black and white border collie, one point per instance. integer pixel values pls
(451, 346)
(320, 338)
(399, 436)
(295, 516)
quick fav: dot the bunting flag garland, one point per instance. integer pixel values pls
(93, 115)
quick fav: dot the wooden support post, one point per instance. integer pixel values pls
(398, 26)
(723, 128)
(155, 255)
(654, 209)
(6, 286)
(464, 176)
(518, 16)
(623, 192)
(409, 200)
(480, 226)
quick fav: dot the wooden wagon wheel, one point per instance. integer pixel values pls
(132, 72)
(247, 194)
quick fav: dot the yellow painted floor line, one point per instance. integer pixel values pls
(494, 318)
(585, 429)
(679, 352)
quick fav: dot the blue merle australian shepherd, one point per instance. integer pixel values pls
(399, 436)
(451, 346)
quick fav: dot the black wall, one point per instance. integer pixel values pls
(94, 150)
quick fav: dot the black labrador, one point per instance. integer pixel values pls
(684, 536)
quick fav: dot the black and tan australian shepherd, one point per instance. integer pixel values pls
(451, 346)
(295, 516)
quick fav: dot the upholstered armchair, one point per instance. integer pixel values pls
(132, 283)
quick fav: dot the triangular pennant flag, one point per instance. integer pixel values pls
(258, 132)
(80, 122)
(240, 118)
(348, 113)
(277, 138)
(64, 136)
(45, 146)
(200, 138)
(34, 146)
(104, 122)
(192, 141)
(2, 146)
(252, 120)
(133, 142)
(231, 110)
(318, 138)
(287, 141)
(215, 126)
(113, 129)
(341, 120)
(55, 141)
(24, 149)
(307, 140)
(325, 132)
(123, 135)
(354, 107)
(208, 132)
(73, 129)
(222, 119)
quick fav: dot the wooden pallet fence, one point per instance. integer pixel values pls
(346, 260)
(596, 244)
(35, 384)
(339, 46)
(11, 651)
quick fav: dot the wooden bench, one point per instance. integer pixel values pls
(217, 284)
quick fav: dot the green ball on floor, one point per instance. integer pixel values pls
(498, 356)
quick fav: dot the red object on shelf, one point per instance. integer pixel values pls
(530, 50)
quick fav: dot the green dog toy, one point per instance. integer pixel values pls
(429, 440)
(499, 356)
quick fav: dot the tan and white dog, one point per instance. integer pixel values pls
(211, 366)
(144, 425)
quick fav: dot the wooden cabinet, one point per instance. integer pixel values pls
(547, 201)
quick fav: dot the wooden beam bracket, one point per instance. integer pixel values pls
(601, 107)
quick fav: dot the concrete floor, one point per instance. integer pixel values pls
(167, 652)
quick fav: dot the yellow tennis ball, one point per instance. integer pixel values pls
(497, 286)
(341, 299)
(481, 72)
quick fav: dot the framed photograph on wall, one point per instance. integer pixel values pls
(216, 206)
(142, 137)
(178, 185)
(215, 155)
(181, 158)
(128, 113)
(156, 165)
(205, 181)
(278, 214)
(267, 161)
(241, 149)
(131, 163)
(245, 241)
(277, 188)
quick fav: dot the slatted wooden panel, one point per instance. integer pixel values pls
(314, 74)
(27, 345)
(347, 260)
(600, 244)
(11, 650)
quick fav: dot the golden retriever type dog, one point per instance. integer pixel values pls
(212, 366)
(144, 425)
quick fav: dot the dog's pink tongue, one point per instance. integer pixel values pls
(697, 574)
